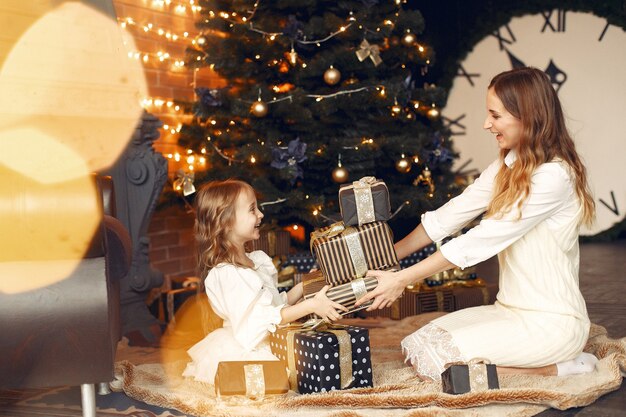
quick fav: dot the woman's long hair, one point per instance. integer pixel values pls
(528, 95)
(215, 214)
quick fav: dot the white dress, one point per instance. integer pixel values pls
(249, 303)
(539, 317)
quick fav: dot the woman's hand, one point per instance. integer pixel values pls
(390, 287)
(325, 307)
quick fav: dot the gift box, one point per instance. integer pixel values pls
(254, 379)
(344, 294)
(302, 261)
(312, 282)
(474, 376)
(273, 242)
(412, 303)
(332, 358)
(364, 201)
(346, 252)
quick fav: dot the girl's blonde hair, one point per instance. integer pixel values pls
(528, 95)
(215, 214)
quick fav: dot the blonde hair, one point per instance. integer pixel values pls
(215, 214)
(528, 95)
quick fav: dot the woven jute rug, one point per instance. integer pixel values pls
(154, 377)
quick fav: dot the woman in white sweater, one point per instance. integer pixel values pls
(534, 198)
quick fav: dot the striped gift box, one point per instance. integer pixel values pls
(345, 294)
(413, 303)
(345, 253)
(312, 282)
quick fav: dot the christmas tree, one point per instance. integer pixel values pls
(319, 93)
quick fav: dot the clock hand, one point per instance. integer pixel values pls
(557, 75)
(515, 61)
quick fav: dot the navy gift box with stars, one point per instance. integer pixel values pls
(316, 358)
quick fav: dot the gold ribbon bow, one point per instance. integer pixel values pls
(353, 242)
(365, 182)
(478, 378)
(184, 182)
(365, 50)
(327, 232)
(345, 349)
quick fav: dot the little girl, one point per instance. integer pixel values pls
(241, 286)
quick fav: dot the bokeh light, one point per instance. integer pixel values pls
(70, 99)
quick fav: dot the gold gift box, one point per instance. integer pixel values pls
(254, 379)
(345, 253)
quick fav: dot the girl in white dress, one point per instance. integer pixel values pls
(241, 286)
(533, 197)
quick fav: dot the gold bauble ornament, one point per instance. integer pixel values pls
(340, 174)
(403, 165)
(408, 39)
(259, 108)
(332, 76)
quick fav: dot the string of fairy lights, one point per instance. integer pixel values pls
(260, 107)
(146, 25)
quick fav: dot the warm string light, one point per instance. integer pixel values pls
(147, 27)
(317, 97)
(157, 57)
(247, 20)
(163, 104)
(178, 7)
(269, 203)
(193, 160)
(223, 155)
(431, 112)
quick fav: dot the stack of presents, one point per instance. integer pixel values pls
(333, 357)
(319, 356)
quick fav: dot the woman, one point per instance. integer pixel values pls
(534, 198)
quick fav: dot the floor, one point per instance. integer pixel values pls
(603, 284)
(602, 280)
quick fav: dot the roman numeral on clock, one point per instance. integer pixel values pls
(554, 21)
(613, 208)
(463, 72)
(502, 37)
(448, 123)
(604, 32)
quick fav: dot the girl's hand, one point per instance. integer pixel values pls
(389, 288)
(294, 294)
(325, 307)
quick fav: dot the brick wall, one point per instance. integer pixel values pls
(172, 248)
(166, 81)
(170, 230)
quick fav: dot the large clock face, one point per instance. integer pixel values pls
(586, 60)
